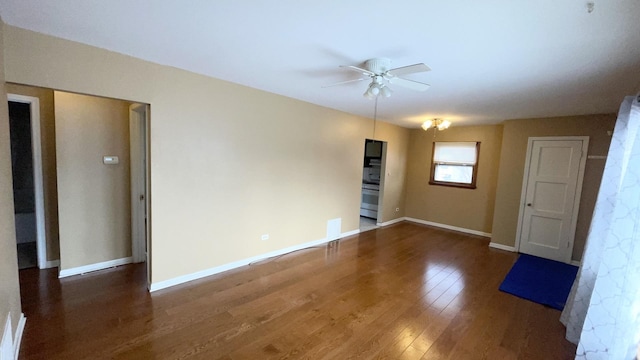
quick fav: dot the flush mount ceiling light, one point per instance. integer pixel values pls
(438, 124)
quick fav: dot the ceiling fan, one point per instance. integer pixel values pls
(378, 71)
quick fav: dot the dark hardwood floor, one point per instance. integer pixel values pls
(406, 291)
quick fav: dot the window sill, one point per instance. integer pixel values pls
(452, 184)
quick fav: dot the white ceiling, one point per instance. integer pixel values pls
(492, 60)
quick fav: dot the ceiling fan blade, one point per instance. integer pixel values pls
(360, 70)
(410, 84)
(410, 69)
(345, 82)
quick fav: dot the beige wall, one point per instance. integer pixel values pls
(512, 159)
(394, 189)
(48, 136)
(222, 155)
(465, 208)
(94, 199)
(9, 288)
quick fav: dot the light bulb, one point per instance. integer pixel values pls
(426, 125)
(385, 91)
(444, 124)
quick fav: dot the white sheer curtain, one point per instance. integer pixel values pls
(602, 314)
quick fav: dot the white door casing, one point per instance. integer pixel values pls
(38, 179)
(137, 137)
(383, 178)
(551, 190)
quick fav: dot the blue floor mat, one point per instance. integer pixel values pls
(540, 280)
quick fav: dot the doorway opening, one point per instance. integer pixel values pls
(26, 166)
(372, 184)
(139, 153)
(65, 190)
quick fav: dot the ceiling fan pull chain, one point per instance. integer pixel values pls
(375, 116)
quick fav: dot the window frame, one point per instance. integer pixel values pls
(474, 172)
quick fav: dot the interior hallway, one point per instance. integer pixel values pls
(403, 291)
(27, 255)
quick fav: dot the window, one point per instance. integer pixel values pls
(455, 164)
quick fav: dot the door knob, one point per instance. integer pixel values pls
(529, 204)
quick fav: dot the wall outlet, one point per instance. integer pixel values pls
(264, 237)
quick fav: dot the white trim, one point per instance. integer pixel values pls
(349, 233)
(236, 264)
(147, 186)
(53, 263)
(38, 182)
(576, 263)
(578, 194)
(17, 339)
(502, 247)
(6, 345)
(448, 227)
(94, 267)
(10, 345)
(383, 177)
(513, 249)
(137, 120)
(391, 222)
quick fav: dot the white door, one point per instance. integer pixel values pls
(551, 194)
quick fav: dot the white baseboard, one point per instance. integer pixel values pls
(448, 227)
(6, 344)
(513, 249)
(502, 247)
(10, 344)
(17, 339)
(236, 264)
(391, 222)
(94, 267)
(52, 264)
(349, 233)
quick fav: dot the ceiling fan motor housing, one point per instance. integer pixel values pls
(378, 66)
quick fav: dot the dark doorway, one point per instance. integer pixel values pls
(23, 183)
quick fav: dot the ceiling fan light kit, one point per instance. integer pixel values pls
(378, 71)
(377, 87)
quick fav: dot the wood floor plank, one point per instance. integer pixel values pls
(405, 291)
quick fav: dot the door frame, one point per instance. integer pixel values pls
(38, 179)
(383, 171)
(576, 201)
(139, 174)
(383, 161)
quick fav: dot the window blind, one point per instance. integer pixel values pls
(463, 153)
